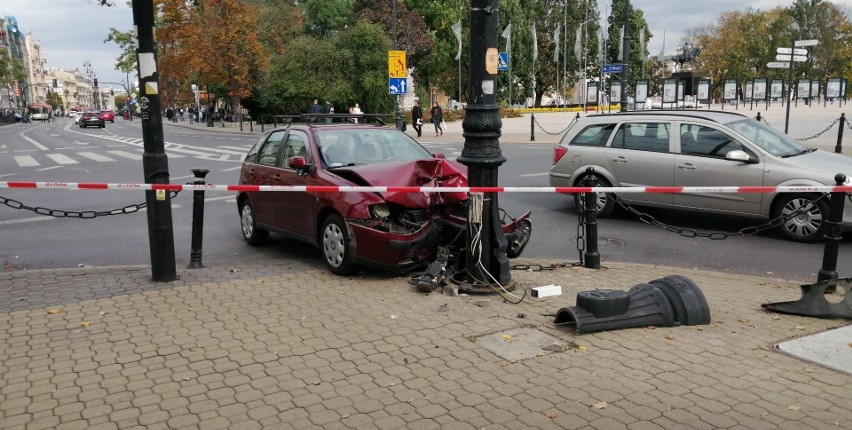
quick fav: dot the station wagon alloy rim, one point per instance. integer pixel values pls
(332, 245)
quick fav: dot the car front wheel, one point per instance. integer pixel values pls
(253, 234)
(809, 225)
(606, 201)
(334, 243)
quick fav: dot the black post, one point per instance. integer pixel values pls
(210, 109)
(532, 128)
(839, 147)
(591, 258)
(625, 60)
(155, 163)
(790, 88)
(758, 118)
(197, 220)
(833, 235)
(481, 152)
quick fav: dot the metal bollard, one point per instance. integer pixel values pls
(532, 128)
(758, 118)
(833, 235)
(838, 148)
(592, 258)
(197, 220)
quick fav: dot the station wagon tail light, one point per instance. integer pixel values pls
(558, 153)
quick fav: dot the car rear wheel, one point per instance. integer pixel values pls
(334, 243)
(606, 202)
(253, 234)
(808, 226)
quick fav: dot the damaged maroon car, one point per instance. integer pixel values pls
(391, 231)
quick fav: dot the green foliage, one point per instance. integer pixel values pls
(126, 40)
(323, 17)
(11, 70)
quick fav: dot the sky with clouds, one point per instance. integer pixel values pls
(72, 32)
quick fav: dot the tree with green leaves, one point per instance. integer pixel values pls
(11, 70)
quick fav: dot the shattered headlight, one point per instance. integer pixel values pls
(380, 211)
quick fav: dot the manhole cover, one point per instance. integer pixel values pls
(516, 344)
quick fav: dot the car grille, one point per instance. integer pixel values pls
(417, 215)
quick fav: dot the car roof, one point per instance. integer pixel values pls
(333, 126)
(722, 117)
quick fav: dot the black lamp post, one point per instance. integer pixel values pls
(625, 68)
(486, 259)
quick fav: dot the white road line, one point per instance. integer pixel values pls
(62, 159)
(95, 156)
(48, 168)
(37, 145)
(26, 220)
(239, 148)
(232, 168)
(214, 199)
(77, 142)
(126, 154)
(530, 175)
(26, 161)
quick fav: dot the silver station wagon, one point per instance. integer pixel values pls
(702, 148)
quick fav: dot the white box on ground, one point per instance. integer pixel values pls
(546, 291)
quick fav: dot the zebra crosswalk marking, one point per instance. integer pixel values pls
(126, 154)
(26, 161)
(95, 156)
(62, 159)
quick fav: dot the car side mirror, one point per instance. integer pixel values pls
(299, 163)
(739, 155)
(439, 155)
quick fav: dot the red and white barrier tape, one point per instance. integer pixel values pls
(405, 189)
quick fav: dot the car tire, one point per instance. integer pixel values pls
(254, 235)
(334, 245)
(808, 227)
(606, 201)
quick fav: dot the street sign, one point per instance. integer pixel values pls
(397, 86)
(797, 51)
(503, 62)
(612, 68)
(778, 65)
(786, 57)
(396, 64)
(809, 42)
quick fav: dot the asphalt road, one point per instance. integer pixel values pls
(63, 152)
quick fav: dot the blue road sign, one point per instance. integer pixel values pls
(397, 86)
(503, 62)
(612, 68)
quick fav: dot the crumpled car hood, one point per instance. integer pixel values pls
(435, 172)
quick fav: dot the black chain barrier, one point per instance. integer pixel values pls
(719, 235)
(558, 133)
(803, 139)
(59, 213)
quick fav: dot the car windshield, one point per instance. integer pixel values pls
(368, 146)
(769, 139)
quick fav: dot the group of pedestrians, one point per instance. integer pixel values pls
(436, 118)
(329, 109)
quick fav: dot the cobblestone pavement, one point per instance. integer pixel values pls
(291, 346)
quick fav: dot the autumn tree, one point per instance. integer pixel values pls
(127, 42)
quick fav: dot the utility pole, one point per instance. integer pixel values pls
(155, 163)
(625, 67)
(486, 259)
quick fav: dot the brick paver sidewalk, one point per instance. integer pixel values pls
(292, 346)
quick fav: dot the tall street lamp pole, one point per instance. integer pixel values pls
(155, 163)
(397, 114)
(625, 68)
(486, 259)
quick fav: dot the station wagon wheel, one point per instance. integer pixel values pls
(334, 244)
(253, 234)
(606, 202)
(809, 226)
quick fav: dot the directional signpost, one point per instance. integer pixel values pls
(789, 56)
(778, 64)
(397, 80)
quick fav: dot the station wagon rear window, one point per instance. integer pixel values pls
(593, 135)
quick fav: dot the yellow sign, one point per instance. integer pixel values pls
(396, 64)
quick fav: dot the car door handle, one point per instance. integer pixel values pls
(619, 160)
(686, 166)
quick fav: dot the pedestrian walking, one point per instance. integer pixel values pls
(438, 119)
(329, 109)
(417, 118)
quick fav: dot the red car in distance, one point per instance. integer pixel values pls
(107, 115)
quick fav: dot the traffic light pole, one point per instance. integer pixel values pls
(155, 164)
(486, 259)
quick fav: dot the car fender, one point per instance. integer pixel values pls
(599, 170)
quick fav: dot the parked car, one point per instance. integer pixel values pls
(107, 115)
(702, 148)
(75, 115)
(91, 118)
(394, 231)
